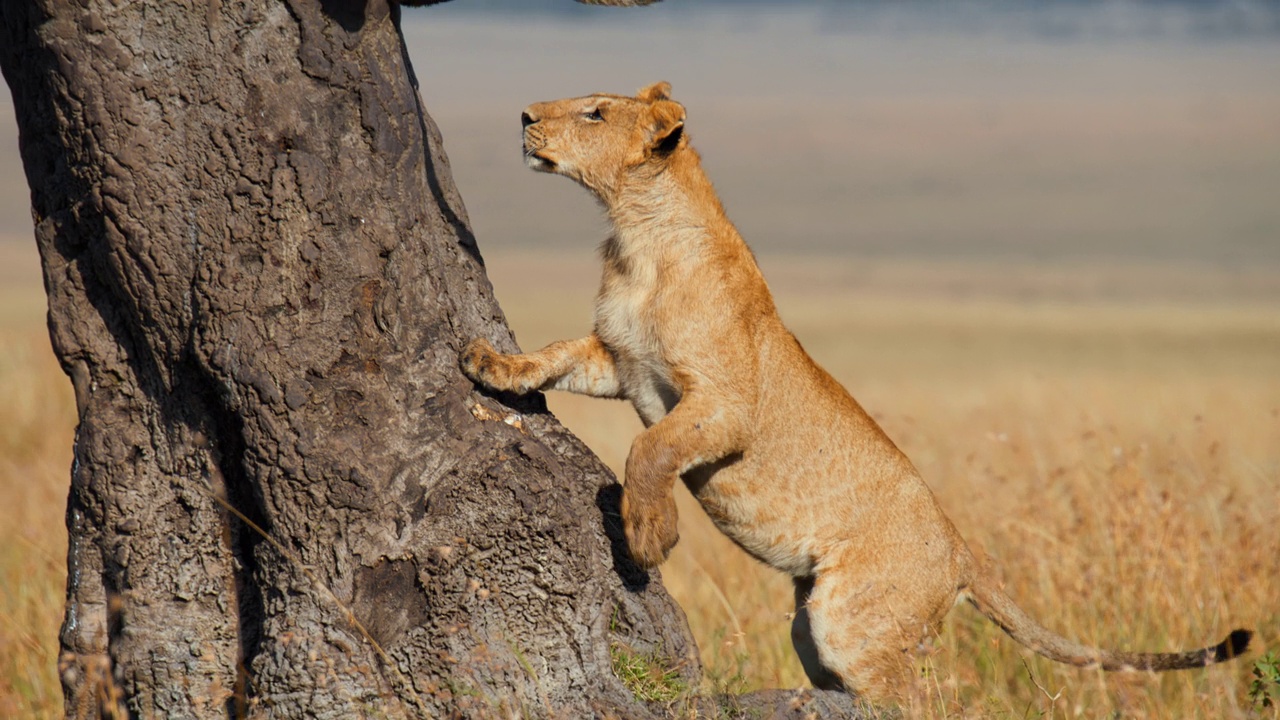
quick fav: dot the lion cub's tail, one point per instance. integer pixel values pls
(992, 601)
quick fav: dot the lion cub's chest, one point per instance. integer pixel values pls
(628, 321)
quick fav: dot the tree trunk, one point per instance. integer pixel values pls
(286, 499)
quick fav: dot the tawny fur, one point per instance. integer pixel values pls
(784, 461)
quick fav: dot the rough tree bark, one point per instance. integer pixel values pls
(286, 500)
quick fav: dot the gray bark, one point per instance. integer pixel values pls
(286, 500)
(259, 276)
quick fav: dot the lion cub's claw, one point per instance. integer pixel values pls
(650, 529)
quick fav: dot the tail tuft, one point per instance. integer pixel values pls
(1234, 646)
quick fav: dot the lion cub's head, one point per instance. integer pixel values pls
(597, 139)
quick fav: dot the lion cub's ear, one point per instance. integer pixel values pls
(666, 126)
(658, 91)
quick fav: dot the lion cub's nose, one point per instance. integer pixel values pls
(526, 119)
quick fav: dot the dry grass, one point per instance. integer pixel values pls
(38, 413)
(1120, 460)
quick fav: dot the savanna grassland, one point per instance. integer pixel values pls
(1119, 459)
(1069, 318)
(37, 421)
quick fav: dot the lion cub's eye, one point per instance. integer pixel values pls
(593, 115)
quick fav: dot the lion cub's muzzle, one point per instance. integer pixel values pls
(534, 142)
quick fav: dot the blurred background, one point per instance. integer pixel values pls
(1050, 132)
(1039, 241)
(1059, 134)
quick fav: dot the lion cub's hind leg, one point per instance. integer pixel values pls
(802, 640)
(865, 620)
(853, 643)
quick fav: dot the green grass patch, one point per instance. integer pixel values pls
(649, 676)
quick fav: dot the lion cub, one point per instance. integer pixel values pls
(785, 462)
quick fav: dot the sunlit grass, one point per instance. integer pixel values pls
(1120, 462)
(1138, 533)
(35, 461)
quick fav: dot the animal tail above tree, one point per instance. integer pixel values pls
(991, 600)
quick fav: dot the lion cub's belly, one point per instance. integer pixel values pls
(745, 505)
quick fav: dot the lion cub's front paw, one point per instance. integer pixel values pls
(496, 371)
(650, 528)
(477, 360)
